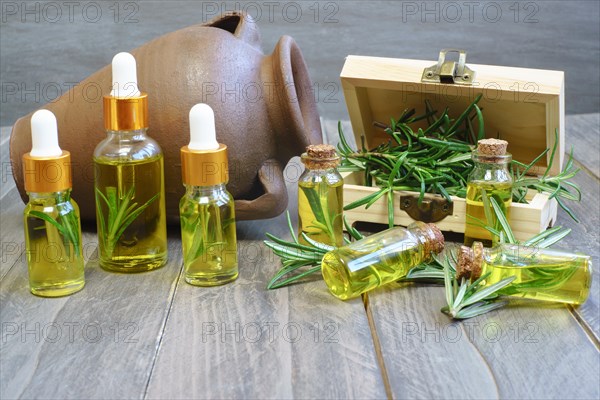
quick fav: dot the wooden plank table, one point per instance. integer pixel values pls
(151, 335)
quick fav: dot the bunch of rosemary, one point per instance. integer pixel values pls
(438, 160)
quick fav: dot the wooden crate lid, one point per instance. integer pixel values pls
(521, 105)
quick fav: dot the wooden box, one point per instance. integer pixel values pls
(523, 106)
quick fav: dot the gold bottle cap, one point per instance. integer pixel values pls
(46, 168)
(204, 167)
(126, 113)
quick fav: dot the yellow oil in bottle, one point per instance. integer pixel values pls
(542, 274)
(378, 259)
(209, 240)
(130, 204)
(475, 213)
(320, 207)
(55, 260)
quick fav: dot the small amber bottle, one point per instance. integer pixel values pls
(51, 218)
(320, 196)
(379, 259)
(540, 274)
(207, 213)
(490, 177)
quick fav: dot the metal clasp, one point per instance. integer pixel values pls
(448, 71)
(432, 208)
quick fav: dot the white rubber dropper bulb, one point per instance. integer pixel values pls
(44, 135)
(124, 76)
(203, 135)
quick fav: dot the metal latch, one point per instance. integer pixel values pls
(432, 209)
(448, 71)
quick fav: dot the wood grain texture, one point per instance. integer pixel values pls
(583, 133)
(242, 341)
(97, 343)
(12, 239)
(585, 238)
(522, 351)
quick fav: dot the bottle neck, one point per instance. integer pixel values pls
(134, 135)
(204, 191)
(59, 197)
(491, 161)
(430, 238)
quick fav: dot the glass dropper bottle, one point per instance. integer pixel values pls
(379, 259)
(207, 212)
(541, 273)
(51, 217)
(129, 179)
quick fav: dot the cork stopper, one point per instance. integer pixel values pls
(434, 239)
(492, 147)
(320, 156)
(470, 259)
(438, 241)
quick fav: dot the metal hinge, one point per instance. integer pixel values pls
(432, 208)
(449, 71)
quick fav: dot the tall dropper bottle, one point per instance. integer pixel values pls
(51, 217)
(129, 179)
(206, 210)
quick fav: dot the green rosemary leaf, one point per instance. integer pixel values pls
(541, 236)
(364, 200)
(318, 245)
(567, 209)
(351, 230)
(554, 147)
(481, 131)
(345, 147)
(490, 290)
(295, 278)
(465, 113)
(294, 245)
(479, 309)
(390, 202)
(549, 241)
(291, 228)
(501, 218)
(448, 283)
(461, 293)
(378, 196)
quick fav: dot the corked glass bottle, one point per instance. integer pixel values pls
(379, 259)
(320, 196)
(491, 177)
(541, 274)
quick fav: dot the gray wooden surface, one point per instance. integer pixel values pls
(153, 336)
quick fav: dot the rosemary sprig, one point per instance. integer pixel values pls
(438, 160)
(299, 260)
(66, 224)
(121, 213)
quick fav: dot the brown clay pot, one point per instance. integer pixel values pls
(264, 110)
